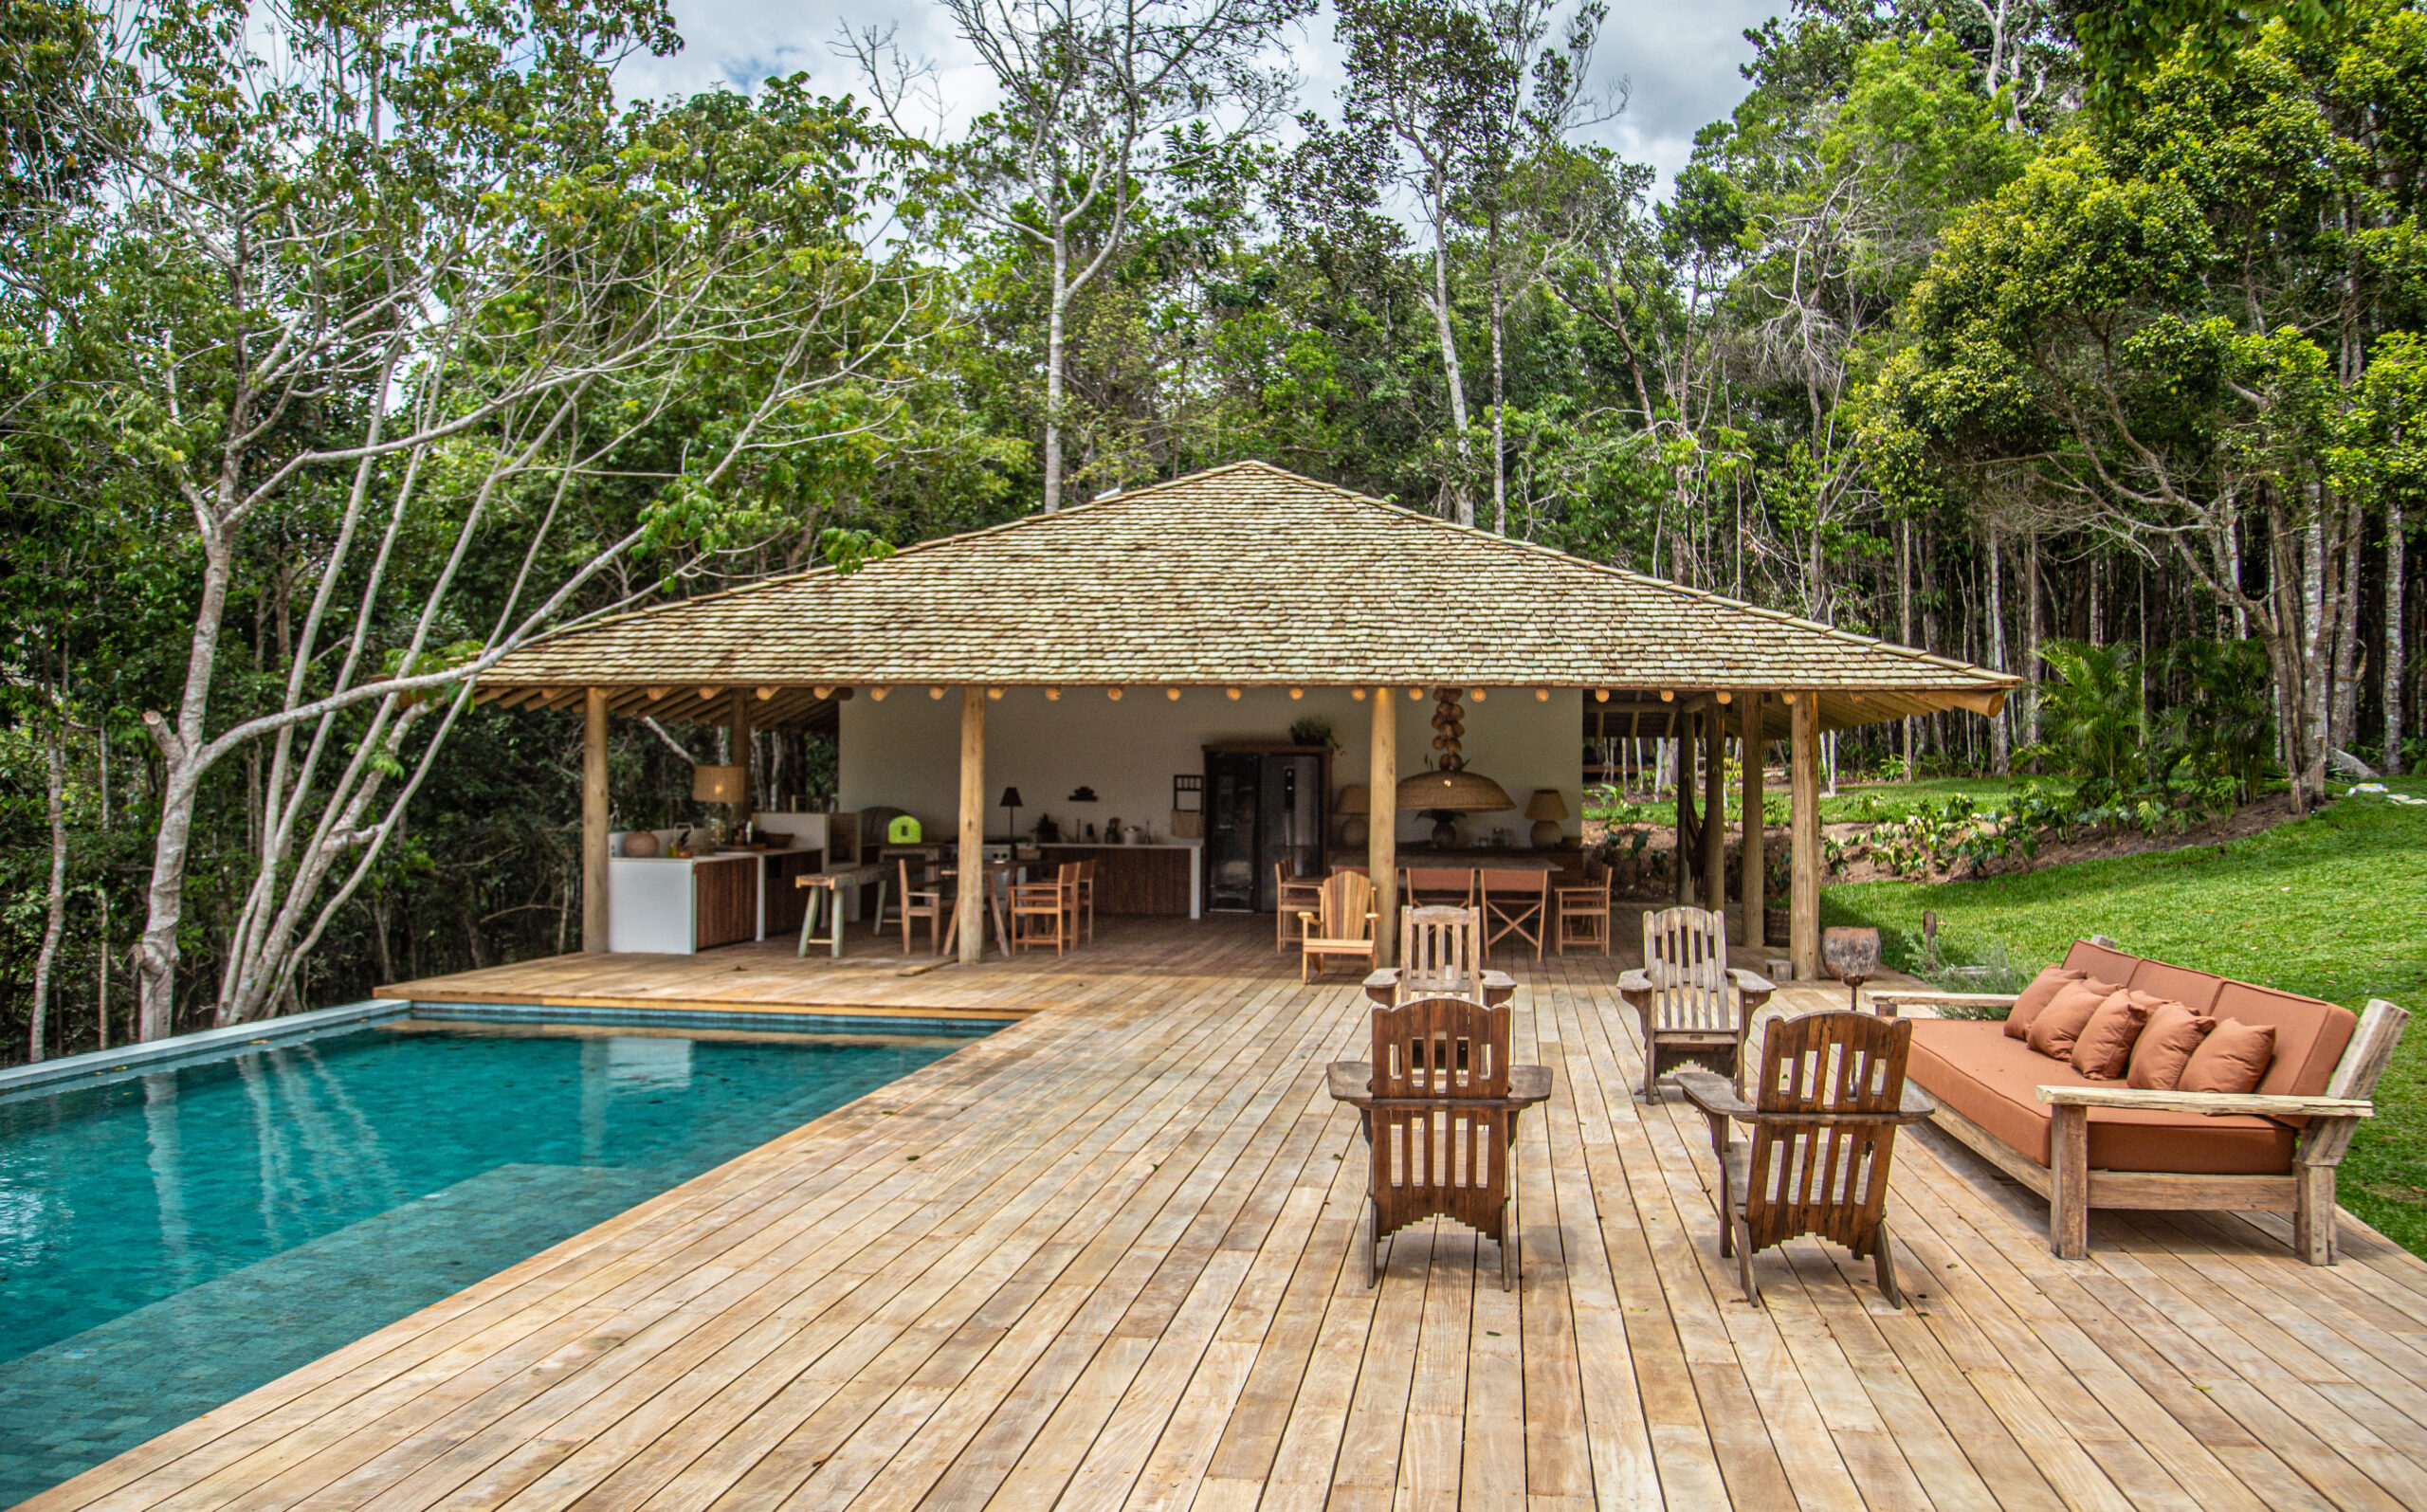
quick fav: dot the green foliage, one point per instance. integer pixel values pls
(2093, 718)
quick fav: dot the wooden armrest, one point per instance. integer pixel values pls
(1349, 1080)
(1635, 981)
(1747, 982)
(1530, 1083)
(1712, 1093)
(1935, 998)
(2264, 1103)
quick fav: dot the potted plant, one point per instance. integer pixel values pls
(1313, 730)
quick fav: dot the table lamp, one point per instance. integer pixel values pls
(1356, 801)
(1546, 809)
(1011, 803)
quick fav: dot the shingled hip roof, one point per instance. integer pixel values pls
(1242, 575)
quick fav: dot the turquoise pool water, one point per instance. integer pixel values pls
(171, 1241)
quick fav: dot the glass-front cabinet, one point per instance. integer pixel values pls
(1267, 807)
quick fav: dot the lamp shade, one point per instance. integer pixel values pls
(719, 784)
(1010, 800)
(1546, 804)
(1456, 792)
(1355, 798)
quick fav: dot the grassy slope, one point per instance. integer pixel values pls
(2334, 906)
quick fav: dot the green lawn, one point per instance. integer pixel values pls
(1896, 800)
(2334, 906)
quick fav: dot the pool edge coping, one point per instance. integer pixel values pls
(178, 1047)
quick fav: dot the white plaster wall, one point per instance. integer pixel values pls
(905, 750)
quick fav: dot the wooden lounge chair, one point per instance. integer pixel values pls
(1292, 893)
(1824, 1114)
(1584, 911)
(1682, 996)
(1440, 954)
(1343, 925)
(1515, 901)
(1439, 1103)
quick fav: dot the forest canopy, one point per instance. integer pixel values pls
(344, 347)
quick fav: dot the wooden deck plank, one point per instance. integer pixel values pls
(1127, 1268)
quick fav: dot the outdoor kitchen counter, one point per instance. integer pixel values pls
(1162, 880)
(679, 904)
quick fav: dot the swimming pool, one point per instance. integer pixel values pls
(170, 1240)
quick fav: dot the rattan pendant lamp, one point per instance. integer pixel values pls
(1449, 788)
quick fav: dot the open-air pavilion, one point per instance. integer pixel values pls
(1224, 606)
(1112, 1254)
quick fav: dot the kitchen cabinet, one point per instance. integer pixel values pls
(1153, 881)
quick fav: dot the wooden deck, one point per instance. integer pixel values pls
(1108, 1256)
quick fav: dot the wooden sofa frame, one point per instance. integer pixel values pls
(2306, 1191)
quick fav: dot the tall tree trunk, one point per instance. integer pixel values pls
(1905, 618)
(1462, 502)
(2395, 649)
(1999, 751)
(55, 919)
(2344, 720)
(1499, 434)
(155, 954)
(1057, 319)
(2031, 635)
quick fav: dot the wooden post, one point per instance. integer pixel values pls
(971, 858)
(2069, 1187)
(1382, 825)
(1803, 789)
(1682, 851)
(737, 745)
(593, 820)
(1756, 863)
(1714, 808)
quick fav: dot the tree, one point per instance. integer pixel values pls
(1085, 91)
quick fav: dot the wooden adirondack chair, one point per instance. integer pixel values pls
(1439, 1103)
(1824, 1114)
(1440, 954)
(1343, 926)
(1683, 996)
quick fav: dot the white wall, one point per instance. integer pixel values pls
(905, 751)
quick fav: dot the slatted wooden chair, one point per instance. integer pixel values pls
(1824, 1113)
(1341, 925)
(925, 901)
(1083, 901)
(1443, 887)
(1044, 913)
(1515, 901)
(1292, 893)
(1439, 1103)
(1440, 954)
(1584, 911)
(1692, 1006)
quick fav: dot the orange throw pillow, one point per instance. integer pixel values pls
(2033, 999)
(2232, 1058)
(2062, 1021)
(2166, 1046)
(2104, 1050)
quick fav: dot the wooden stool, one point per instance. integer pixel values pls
(825, 888)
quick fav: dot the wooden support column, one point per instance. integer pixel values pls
(1684, 852)
(1750, 931)
(593, 820)
(1803, 788)
(1715, 810)
(1382, 825)
(971, 857)
(737, 745)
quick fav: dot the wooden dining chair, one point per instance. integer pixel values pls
(1692, 1005)
(1043, 913)
(1083, 900)
(1584, 911)
(1440, 954)
(1824, 1112)
(1292, 893)
(1445, 887)
(1341, 925)
(1515, 903)
(925, 901)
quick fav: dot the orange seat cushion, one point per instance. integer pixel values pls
(1972, 1070)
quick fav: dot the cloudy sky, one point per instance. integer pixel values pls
(1679, 60)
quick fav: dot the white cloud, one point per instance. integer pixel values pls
(1679, 60)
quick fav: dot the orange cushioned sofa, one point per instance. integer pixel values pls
(2087, 1143)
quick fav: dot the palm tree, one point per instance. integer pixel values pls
(2093, 723)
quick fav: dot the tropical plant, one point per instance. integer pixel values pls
(2223, 726)
(2093, 722)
